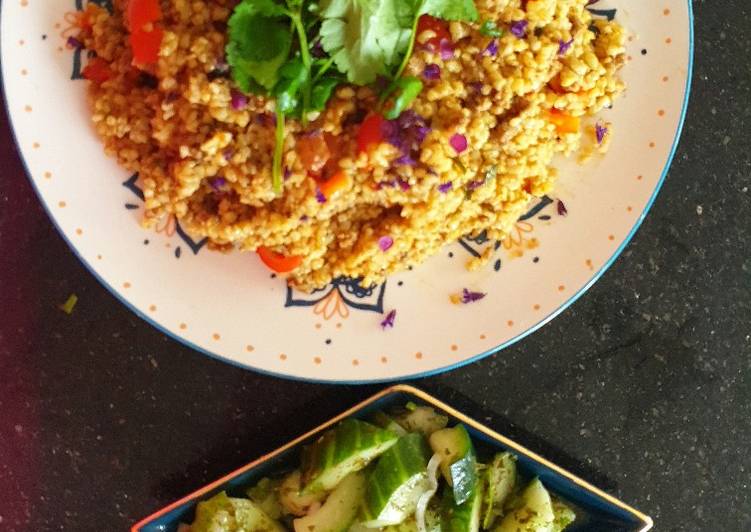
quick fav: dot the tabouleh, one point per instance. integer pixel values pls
(347, 137)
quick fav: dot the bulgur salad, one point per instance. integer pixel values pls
(347, 137)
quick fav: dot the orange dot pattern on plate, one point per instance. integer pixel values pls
(384, 360)
(216, 336)
(79, 231)
(99, 257)
(35, 145)
(317, 360)
(318, 325)
(418, 355)
(24, 72)
(183, 326)
(24, 3)
(611, 237)
(652, 144)
(27, 108)
(668, 40)
(338, 325)
(48, 175)
(482, 337)
(61, 204)
(661, 112)
(536, 307)
(588, 262)
(282, 356)
(152, 308)
(249, 348)
(510, 323)
(629, 208)
(21, 42)
(665, 78)
(666, 12)
(639, 177)
(355, 362)
(126, 284)
(454, 347)
(561, 288)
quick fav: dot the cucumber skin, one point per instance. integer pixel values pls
(461, 517)
(535, 513)
(403, 461)
(325, 462)
(500, 481)
(458, 462)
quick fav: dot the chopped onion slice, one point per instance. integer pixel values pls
(422, 502)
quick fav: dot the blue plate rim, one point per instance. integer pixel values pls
(164, 330)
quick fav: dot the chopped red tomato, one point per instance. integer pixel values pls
(278, 262)
(97, 70)
(145, 45)
(142, 12)
(439, 27)
(313, 152)
(339, 181)
(370, 133)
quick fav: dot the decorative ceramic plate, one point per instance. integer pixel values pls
(595, 510)
(229, 306)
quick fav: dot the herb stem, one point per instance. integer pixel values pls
(306, 61)
(411, 47)
(324, 68)
(278, 149)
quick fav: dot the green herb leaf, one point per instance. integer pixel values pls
(365, 37)
(259, 43)
(490, 29)
(408, 88)
(464, 10)
(322, 91)
(292, 77)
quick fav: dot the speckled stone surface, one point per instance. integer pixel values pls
(642, 387)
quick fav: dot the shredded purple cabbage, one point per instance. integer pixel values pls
(217, 183)
(492, 49)
(287, 172)
(406, 133)
(432, 72)
(320, 198)
(600, 132)
(470, 297)
(389, 320)
(239, 100)
(459, 142)
(405, 160)
(385, 243)
(476, 86)
(74, 43)
(519, 28)
(474, 185)
(228, 153)
(445, 187)
(564, 46)
(446, 49)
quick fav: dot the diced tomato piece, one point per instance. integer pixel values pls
(439, 27)
(142, 12)
(564, 123)
(371, 132)
(339, 181)
(555, 85)
(278, 262)
(145, 45)
(313, 151)
(97, 70)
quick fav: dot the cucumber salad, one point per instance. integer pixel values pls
(405, 471)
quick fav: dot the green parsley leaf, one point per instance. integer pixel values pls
(464, 10)
(408, 88)
(292, 77)
(490, 29)
(364, 37)
(322, 91)
(259, 43)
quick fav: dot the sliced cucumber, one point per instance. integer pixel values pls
(340, 509)
(535, 514)
(293, 501)
(266, 495)
(432, 523)
(463, 517)
(458, 461)
(563, 515)
(343, 450)
(499, 480)
(397, 482)
(421, 419)
(385, 421)
(225, 514)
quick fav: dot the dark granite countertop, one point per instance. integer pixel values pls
(643, 386)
